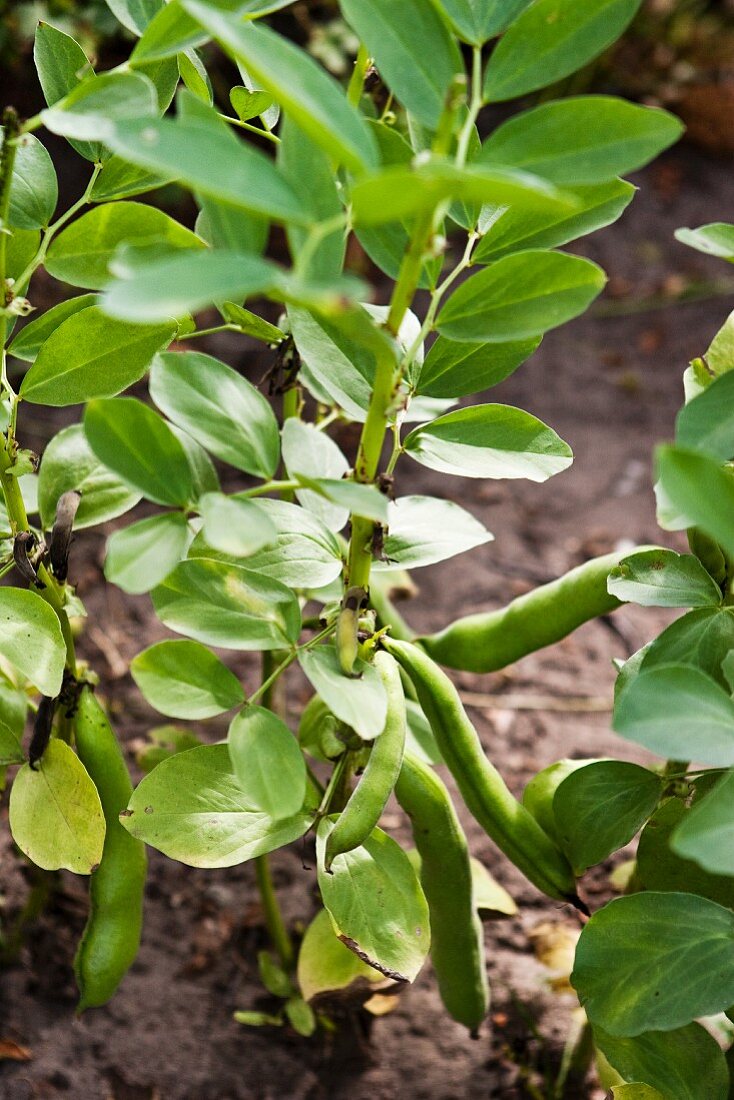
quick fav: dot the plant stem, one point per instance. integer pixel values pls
(251, 129)
(475, 105)
(273, 917)
(290, 657)
(10, 126)
(356, 80)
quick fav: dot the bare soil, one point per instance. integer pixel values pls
(610, 385)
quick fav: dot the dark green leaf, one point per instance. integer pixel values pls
(478, 20)
(702, 638)
(640, 961)
(219, 408)
(706, 423)
(81, 254)
(660, 867)
(91, 355)
(138, 445)
(62, 65)
(551, 39)
(27, 343)
(514, 229)
(33, 189)
(701, 490)
(706, 833)
(662, 578)
(677, 711)
(454, 369)
(599, 808)
(582, 140)
(521, 296)
(684, 1064)
(120, 180)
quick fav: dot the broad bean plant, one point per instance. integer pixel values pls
(295, 177)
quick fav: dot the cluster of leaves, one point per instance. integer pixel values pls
(653, 962)
(236, 571)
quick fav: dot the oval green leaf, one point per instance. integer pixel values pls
(138, 445)
(640, 959)
(678, 712)
(599, 808)
(490, 441)
(521, 296)
(267, 762)
(142, 555)
(228, 606)
(662, 578)
(219, 408)
(81, 254)
(184, 679)
(191, 808)
(69, 463)
(360, 701)
(551, 39)
(31, 639)
(582, 140)
(376, 904)
(56, 816)
(90, 355)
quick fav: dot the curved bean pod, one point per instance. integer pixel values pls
(492, 640)
(457, 938)
(112, 936)
(366, 803)
(503, 818)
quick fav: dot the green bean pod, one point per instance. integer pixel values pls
(491, 640)
(366, 803)
(457, 938)
(112, 936)
(503, 818)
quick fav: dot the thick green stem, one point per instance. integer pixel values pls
(388, 374)
(273, 917)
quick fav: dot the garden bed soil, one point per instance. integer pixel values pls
(609, 384)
